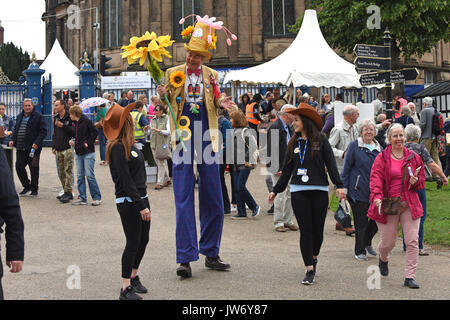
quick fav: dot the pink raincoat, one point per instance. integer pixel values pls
(380, 182)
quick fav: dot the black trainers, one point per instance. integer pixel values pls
(66, 197)
(383, 268)
(410, 283)
(309, 277)
(24, 192)
(129, 294)
(137, 285)
(271, 210)
(34, 194)
(216, 264)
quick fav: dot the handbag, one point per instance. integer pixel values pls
(392, 205)
(342, 214)
(162, 152)
(255, 154)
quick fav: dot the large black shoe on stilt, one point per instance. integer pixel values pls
(216, 264)
(184, 270)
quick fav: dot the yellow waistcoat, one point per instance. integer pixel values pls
(209, 101)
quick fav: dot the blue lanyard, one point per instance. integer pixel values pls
(302, 154)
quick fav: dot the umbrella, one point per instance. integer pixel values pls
(89, 103)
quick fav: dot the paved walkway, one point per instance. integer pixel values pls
(265, 264)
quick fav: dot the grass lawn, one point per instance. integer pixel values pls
(437, 223)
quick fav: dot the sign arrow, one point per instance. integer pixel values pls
(404, 75)
(374, 78)
(371, 63)
(370, 51)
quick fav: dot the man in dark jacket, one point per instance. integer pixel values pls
(85, 134)
(28, 136)
(278, 138)
(11, 216)
(62, 133)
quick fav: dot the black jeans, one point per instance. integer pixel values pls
(136, 234)
(365, 228)
(22, 161)
(1, 276)
(310, 209)
(226, 198)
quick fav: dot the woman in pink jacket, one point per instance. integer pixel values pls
(386, 180)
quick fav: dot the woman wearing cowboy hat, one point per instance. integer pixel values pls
(128, 173)
(309, 152)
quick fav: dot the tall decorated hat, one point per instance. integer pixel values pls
(202, 35)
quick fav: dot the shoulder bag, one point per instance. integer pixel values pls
(392, 205)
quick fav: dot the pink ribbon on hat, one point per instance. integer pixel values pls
(206, 20)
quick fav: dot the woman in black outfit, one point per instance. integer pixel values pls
(309, 152)
(127, 167)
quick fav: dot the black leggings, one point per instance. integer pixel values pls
(310, 209)
(1, 276)
(137, 236)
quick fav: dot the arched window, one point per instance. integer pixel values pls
(277, 14)
(181, 9)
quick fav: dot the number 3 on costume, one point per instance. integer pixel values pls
(183, 125)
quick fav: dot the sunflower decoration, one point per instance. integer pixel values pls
(177, 79)
(187, 33)
(151, 46)
(148, 44)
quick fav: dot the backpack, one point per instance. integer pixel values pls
(437, 123)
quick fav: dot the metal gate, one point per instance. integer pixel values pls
(12, 96)
(47, 110)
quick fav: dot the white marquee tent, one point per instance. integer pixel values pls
(308, 61)
(61, 68)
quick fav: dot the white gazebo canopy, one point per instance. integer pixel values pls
(308, 61)
(61, 68)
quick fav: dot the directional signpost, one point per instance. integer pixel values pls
(374, 78)
(370, 51)
(376, 61)
(371, 63)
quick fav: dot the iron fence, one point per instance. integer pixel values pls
(12, 96)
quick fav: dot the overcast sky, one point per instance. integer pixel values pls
(23, 26)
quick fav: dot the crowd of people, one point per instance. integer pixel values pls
(197, 135)
(369, 164)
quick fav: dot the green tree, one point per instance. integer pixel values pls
(13, 60)
(415, 25)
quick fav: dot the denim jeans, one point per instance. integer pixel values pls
(102, 143)
(423, 201)
(85, 168)
(243, 196)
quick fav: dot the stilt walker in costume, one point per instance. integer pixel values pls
(193, 92)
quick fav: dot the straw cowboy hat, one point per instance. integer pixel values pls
(306, 110)
(114, 120)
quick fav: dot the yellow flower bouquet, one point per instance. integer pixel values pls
(150, 46)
